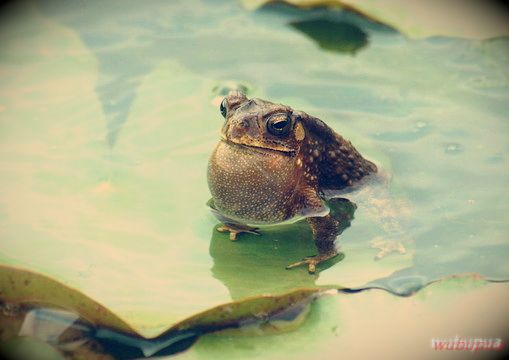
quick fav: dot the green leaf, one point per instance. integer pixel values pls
(23, 289)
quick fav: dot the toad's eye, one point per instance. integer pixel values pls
(223, 108)
(279, 124)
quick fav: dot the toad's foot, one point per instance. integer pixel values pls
(312, 261)
(237, 229)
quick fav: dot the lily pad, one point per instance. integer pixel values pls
(336, 324)
(27, 300)
(28, 348)
(20, 287)
(421, 19)
(127, 225)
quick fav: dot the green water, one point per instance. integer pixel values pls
(108, 114)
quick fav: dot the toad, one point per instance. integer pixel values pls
(274, 165)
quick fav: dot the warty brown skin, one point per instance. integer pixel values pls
(273, 164)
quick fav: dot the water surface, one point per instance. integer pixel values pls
(107, 119)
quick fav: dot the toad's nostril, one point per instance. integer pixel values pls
(239, 129)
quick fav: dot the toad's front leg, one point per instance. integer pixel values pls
(236, 229)
(325, 230)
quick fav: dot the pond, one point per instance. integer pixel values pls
(109, 112)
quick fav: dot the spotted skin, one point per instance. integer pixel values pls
(273, 164)
(330, 159)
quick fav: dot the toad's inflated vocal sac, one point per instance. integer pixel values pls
(274, 164)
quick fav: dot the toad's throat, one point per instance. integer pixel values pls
(243, 146)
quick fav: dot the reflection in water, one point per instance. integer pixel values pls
(333, 35)
(256, 264)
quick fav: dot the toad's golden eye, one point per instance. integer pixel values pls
(223, 108)
(279, 124)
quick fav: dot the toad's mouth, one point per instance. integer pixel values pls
(276, 148)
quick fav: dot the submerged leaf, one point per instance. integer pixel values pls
(420, 19)
(127, 225)
(334, 36)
